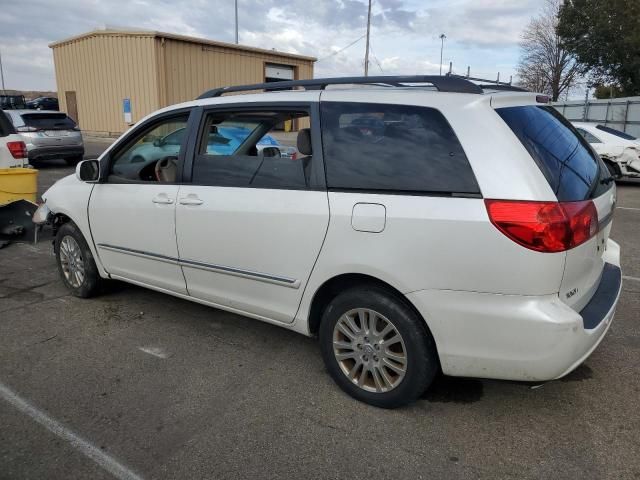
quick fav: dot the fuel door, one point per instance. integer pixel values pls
(369, 217)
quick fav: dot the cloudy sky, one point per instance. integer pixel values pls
(404, 40)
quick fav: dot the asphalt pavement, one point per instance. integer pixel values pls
(137, 384)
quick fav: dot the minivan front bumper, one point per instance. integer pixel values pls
(514, 337)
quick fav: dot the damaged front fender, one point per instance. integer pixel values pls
(42, 215)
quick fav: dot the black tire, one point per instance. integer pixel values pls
(421, 354)
(73, 161)
(92, 282)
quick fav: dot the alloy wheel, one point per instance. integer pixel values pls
(71, 261)
(370, 350)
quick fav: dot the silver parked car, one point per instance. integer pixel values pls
(48, 135)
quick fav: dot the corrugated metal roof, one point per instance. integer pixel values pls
(173, 36)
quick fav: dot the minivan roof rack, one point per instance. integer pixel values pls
(491, 84)
(443, 83)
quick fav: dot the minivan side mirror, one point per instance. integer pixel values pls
(271, 152)
(88, 171)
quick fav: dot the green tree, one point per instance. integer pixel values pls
(607, 91)
(604, 35)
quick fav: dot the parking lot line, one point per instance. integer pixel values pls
(155, 351)
(86, 448)
(635, 279)
(629, 208)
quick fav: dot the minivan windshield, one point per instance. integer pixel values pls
(567, 161)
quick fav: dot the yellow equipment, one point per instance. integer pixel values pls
(18, 184)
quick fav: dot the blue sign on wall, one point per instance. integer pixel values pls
(126, 110)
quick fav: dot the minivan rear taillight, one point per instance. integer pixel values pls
(544, 226)
(17, 149)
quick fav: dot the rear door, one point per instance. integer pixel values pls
(250, 226)
(575, 173)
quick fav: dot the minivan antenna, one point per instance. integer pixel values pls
(2, 75)
(366, 55)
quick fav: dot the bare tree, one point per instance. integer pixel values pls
(545, 66)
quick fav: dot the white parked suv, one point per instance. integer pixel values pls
(429, 223)
(13, 150)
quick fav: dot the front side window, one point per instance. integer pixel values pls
(394, 148)
(242, 149)
(152, 155)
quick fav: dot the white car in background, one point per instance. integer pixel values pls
(619, 150)
(13, 151)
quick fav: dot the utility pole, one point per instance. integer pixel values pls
(366, 55)
(442, 37)
(2, 74)
(236, 22)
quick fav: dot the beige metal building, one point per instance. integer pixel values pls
(104, 74)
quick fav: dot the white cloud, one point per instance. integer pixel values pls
(480, 33)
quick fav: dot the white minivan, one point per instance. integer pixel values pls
(426, 224)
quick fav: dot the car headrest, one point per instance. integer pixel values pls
(304, 141)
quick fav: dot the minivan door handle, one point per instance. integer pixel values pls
(191, 199)
(163, 199)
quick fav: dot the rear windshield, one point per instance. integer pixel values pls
(570, 165)
(48, 121)
(615, 132)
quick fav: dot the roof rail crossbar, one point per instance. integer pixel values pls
(491, 84)
(500, 87)
(443, 83)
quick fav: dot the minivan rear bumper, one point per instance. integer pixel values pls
(513, 337)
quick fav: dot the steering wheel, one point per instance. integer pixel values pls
(166, 169)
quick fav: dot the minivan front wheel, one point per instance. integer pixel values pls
(376, 347)
(75, 262)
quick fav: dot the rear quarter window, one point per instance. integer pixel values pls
(565, 158)
(393, 148)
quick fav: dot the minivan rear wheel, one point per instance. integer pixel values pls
(377, 348)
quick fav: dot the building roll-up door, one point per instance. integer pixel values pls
(278, 73)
